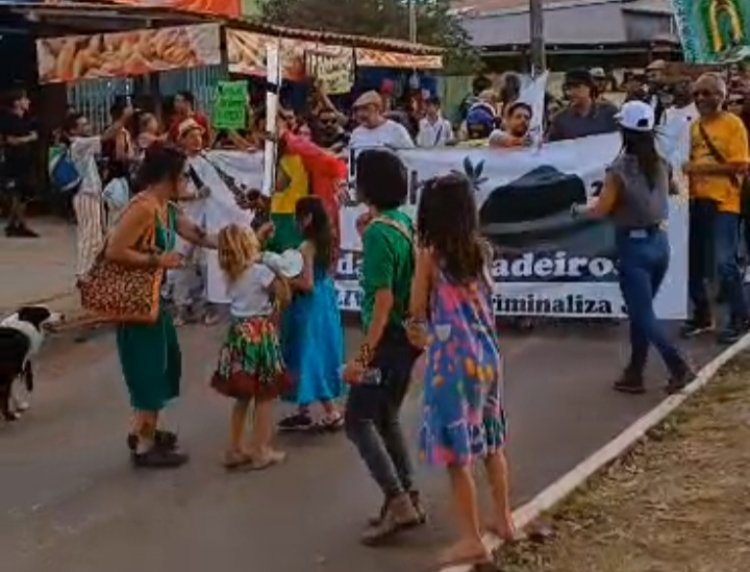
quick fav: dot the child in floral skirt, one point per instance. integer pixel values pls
(451, 316)
(251, 367)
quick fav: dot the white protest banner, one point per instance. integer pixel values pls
(550, 264)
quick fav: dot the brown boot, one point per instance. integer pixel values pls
(399, 515)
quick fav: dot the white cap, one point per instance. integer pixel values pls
(637, 116)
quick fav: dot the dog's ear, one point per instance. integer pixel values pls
(35, 315)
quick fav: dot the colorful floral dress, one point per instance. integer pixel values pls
(463, 412)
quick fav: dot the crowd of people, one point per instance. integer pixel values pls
(426, 287)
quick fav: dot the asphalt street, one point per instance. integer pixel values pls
(70, 502)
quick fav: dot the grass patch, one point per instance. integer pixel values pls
(679, 501)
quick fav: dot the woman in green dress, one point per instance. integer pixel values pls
(150, 353)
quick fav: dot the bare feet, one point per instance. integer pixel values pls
(503, 528)
(464, 552)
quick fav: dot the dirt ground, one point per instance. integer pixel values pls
(679, 502)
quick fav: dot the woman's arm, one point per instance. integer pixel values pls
(194, 234)
(132, 226)
(305, 282)
(603, 206)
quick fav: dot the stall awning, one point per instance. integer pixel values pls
(230, 8)
(119, 54)
(246, 51)
(370, 58)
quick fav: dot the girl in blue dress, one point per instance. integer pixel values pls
(452, 318)
(311, 333)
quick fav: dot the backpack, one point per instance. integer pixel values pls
(63, 173)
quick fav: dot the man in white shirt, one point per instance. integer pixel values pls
(434, 129)
(87, 203)
(375, 130)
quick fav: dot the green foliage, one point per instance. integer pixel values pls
(436, 26)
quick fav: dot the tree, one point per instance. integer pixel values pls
(436, 25)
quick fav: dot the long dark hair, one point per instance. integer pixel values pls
(447, 222)
(161, 162)
(318, 230)
(642, 146)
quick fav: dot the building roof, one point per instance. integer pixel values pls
(569, 22)
(83, 16)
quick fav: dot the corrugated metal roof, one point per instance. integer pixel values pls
(105, 9)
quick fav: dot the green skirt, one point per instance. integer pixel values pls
(151, 362)
(286, 234)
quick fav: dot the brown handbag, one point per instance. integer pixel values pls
(118, 293)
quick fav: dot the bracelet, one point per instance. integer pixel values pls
(365, 354)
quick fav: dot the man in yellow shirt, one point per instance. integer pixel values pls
(718, 162)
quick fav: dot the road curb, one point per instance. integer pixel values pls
(569, 482)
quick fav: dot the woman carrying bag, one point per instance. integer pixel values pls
(141, 246)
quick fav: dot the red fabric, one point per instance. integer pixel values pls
(326, 172)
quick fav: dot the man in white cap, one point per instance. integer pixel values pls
(374, 129)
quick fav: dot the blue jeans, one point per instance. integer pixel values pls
(643, 261)
(714, 250)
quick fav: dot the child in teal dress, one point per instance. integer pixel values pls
(311, 333)
(451, 316)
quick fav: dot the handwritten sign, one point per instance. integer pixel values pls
(332, 67)
(230, 107)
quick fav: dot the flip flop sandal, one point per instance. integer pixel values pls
(234, 461)
(274, 458)
(332, 424)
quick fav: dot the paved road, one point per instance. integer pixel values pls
(70, 502)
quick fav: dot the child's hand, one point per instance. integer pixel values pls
(416, 333)
(171, 260)
(265, 231)
(353, 372)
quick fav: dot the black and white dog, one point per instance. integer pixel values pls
(21, 337)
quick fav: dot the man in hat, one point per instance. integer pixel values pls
(374, 129)
(584, 115)
(601, 81)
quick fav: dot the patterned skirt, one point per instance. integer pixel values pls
(250, 361)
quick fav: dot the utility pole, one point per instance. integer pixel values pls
(536, 30)
(412, 22)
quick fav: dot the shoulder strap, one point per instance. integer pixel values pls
(401, 228)
(715, 153)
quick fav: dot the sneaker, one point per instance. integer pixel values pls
(24, 231)
(158, 458)
(400, 514)
(678, 382)
(696, 327)
(733, 332)
(630, 383)
(418, 506)
(296, 422)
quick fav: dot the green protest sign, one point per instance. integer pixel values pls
(230, 105)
